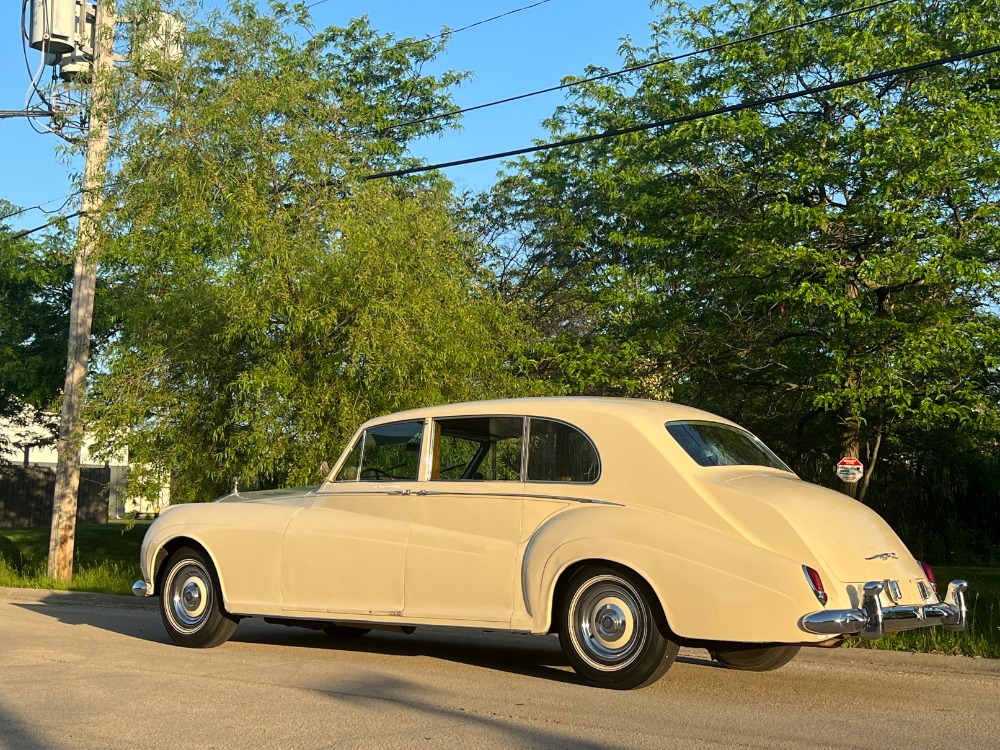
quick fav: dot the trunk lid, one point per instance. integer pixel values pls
(791, 517)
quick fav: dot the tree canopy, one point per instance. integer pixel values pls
(34, 300)
(823, 269)
(268, 298)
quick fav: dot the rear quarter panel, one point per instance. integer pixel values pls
(712, 585)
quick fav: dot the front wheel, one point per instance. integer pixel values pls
(190, 603)
(611, 630)
(756, 659)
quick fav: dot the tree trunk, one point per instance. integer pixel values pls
(71, 428)
(871, 458)
(850, 444)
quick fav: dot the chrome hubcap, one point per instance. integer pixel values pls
(609, 625)
(190, 590)
(191, 596)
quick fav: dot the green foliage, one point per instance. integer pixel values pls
(823, 269)
(268, 299)
(34, 297)
(34, 317)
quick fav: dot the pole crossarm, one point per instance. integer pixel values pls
(7, 114)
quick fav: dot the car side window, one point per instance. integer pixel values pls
(349, 471)
(385, 453)
(477, 448)
(559, 452)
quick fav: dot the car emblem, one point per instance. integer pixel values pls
(883, 556)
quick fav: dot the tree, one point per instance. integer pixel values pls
(823, 268)
(267, 297)
(34, 298)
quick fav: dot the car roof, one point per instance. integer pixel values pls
(565, 408)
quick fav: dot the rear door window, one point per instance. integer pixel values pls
(477, 449)
(559, 452)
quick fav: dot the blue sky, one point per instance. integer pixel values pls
(522, 52)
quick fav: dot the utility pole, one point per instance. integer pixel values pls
(89, 242)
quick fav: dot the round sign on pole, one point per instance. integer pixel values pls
(850, 469)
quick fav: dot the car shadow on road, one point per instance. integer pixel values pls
(130, 620)
(533, 656)
(520, 654)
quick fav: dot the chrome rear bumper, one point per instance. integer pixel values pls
(871, 620)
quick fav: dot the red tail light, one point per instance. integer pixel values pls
(930, 576)
(816, 583)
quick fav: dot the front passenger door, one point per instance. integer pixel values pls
(346, 553)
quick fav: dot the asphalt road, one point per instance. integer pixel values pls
(89, 671)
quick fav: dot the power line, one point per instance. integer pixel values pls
(47, 224)
(634, 68)
(40, 206)
(448, 31)
(487, 20)
(833, 86)
(694, 116)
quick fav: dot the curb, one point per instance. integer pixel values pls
(51, 597)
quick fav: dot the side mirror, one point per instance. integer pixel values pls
(324, 469)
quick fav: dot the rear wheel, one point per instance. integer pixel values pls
(756, 659)
(190, 602)
(611, 629)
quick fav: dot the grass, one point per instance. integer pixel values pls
(107, 561)
(106, 558)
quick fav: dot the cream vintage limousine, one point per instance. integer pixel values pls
(628, 527)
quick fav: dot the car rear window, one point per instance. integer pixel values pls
(715, 444)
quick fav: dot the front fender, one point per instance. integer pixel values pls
(711, 585)
(243, 542)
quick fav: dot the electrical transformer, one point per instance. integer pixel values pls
(53, 27)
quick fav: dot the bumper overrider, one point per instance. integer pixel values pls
(871, 620)
(142, 588)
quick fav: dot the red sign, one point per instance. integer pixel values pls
(850, 469)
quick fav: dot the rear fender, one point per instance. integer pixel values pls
(710, 585)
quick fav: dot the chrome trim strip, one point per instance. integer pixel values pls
(517, 495)
(526, 495)
(871, 620)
